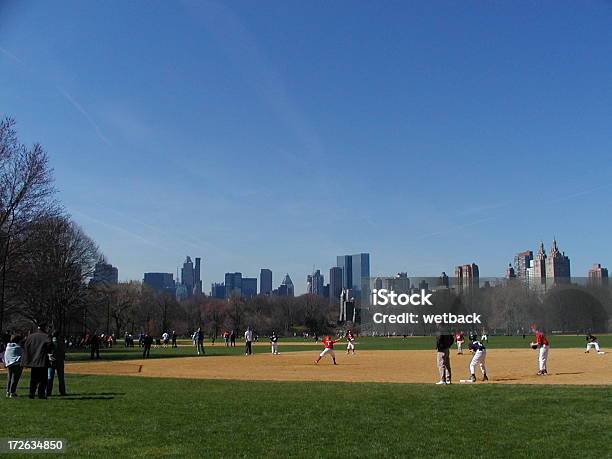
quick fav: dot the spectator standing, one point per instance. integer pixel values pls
(12, 362)
(36, 350)
(57, 366)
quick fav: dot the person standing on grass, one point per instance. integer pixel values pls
(174, 336)
(57, 365)
(199, 340)
(36, 350)
(443, 343)
(248, 341)
(226, 336)
(233, 338)
(12, 362)
(94, 345)
(146, 343)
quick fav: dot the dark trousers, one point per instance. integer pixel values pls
(14, 373)
(247, 348)
(147, 351)
(59, 369)
(174, 342)
(96, 351)
(38, 382)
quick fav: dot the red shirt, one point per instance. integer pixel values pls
(328, 343)
(459, 337)
(541, 339)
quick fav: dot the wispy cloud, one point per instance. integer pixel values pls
(10, 55)
(85, 114)
(119, 229)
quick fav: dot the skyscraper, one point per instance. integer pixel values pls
(160, 282)
(538, 272)
(286, 287)
(345, 262)
(249, 287)
(217, 290)
(265, 282)
(355, 273)
(335, 284)
(197, 284)
(557, 266)
(233, 284)
(105, 274)
(188, 276)
(598, 275)
(467, 277)
(315, 283)
(521, 263)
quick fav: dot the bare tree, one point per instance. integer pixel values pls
(52, 273)
(26, 196)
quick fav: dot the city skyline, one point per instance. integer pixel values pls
(280, 138)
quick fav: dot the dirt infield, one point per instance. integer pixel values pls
(505, 366)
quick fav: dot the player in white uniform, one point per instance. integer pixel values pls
(592, 342)
(274, 343)
(479, 358)
(350, 342)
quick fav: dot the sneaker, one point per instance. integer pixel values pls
(8, 395)
(540, 373)
(439, 383)
(473, 378)
(485, 377)
(14, 395)
(586, 352)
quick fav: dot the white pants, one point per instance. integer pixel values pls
(459, 344)
(543, 357)
(274, 348)
(329, 351)
(478, 359)
(594, 344)
(350, 346)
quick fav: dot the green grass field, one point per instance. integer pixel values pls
(122, 417)
(365, 343)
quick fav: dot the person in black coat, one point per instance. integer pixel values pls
(57, 365)
(94, 346)
(36, 350)
(443, 343)
(147, 342)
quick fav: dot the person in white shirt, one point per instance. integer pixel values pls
(248, 341)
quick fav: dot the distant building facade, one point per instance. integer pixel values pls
(335, 284)
(160, 282)
(249, 287)
(467, 277)
(105, 274)
(355, 273)
(265, 282)
(217, 290)
(233, 284)
(598, 275)
(522, 261)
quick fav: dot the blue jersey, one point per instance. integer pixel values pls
(477, 346)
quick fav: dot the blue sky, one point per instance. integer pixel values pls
(281, 134)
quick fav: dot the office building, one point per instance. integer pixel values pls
(233, 284)
(335, 284)
(521, 264)
(355, 273)
(249, 287)
(265, 282)
(105, 274)
(160, 282)
(467, 277)
(217, 290)
(557, 266)
(598, 275)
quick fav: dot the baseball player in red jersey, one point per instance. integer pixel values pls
(350, 342)
(459, 339)
(541, 343)
(329, 349)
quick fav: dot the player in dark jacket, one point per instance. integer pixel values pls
(36, 350)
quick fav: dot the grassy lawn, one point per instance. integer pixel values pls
(122, 416)
(365, 343)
